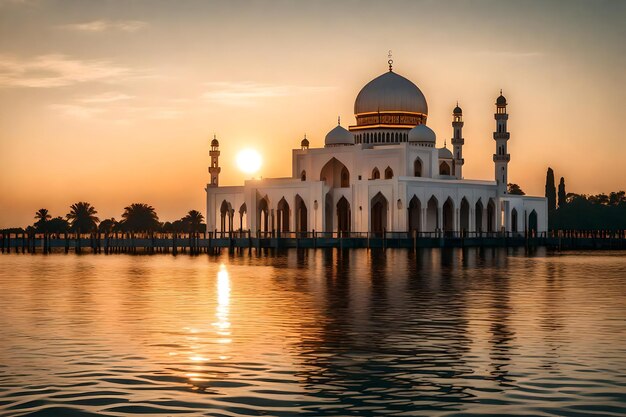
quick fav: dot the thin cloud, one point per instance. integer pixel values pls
(48, 71)
(108, 97)
(105, 25)
(511, 54)
(246, 93)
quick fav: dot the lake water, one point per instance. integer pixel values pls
(355, 333)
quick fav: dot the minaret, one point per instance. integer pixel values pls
(501, 158)
(457, 141)
(214, 168)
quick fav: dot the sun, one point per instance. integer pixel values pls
(249, 161)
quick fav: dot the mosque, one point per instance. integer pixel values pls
(383, 174)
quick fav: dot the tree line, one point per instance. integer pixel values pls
(571, 211)
(136, 218)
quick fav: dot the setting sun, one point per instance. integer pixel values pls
(249, 161)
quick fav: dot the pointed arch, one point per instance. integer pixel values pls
(243, 216)
(444, 168)
(388, 173)
(491, 215)
(226, 217)
(343, 215)
(514, 220)
(448, 215)
(263, 215)
(378, 209)
(282, 213)
(375, 174)
(417, 167)
(432, 214)
(464, 213)
(479, 212)
(335, 174)
(415, 212)
(303, 175)
(532, 223)
(301, 215)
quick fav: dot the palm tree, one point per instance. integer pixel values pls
(140, 217)
(82, 217)
(193, 220)
(42, 216)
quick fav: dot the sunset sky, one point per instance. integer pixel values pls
(115, 102)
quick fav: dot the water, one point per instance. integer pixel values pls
(358, 333)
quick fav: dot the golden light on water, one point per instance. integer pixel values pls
(222, 324)
(249, 161)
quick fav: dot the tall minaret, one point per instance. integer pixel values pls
(214, 168)
(501, 158)
(457, 141)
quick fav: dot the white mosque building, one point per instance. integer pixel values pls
(384, 174)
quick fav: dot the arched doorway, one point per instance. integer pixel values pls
(282, 214)
(479, 215)
(388, 173)
(417, 167)
(343, 215)
(263, 215)
(432, 215)
(415, 210)
(301, 216)
(226, 218)
(532, 223)
(448, 215)
(335, 174)
(379, 208)
(464, 212)
(375, 174)
(514, 221)
(491, 215)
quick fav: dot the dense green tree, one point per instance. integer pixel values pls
(140, 217)
(82, 217)
(596, 212)
(515, 189)
(550, 190)
(57, 225)
(107, 225)
(562, 194)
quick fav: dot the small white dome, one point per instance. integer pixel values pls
(445, 153)
(339, 136)
(422, 133)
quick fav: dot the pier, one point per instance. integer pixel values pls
(216, 241)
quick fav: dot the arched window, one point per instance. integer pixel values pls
(388, 173)
(345, 178)
(375, 174)
(303, 176)
(444, 169)
(417, 167)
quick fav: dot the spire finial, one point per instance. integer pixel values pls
(305, 135)
(339, 120)
(457, 103)
(500, 91)
(390, 61)
(445, 145)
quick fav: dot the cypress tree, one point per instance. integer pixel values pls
(562, 194)
(550, 190)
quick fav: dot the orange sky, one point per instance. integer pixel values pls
(115, 102)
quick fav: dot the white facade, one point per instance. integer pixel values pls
(383, 174)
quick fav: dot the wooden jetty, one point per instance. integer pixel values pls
(213, 242)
